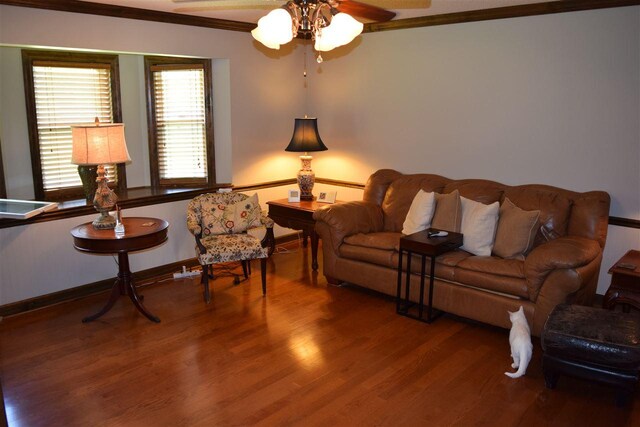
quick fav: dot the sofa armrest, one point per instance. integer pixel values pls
(347, 218)
(564, 253)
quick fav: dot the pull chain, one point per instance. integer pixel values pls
(306, 84)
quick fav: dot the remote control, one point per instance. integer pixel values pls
(626, 265)
(438, 234)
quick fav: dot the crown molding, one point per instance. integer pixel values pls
(534, 9)
(77, 6)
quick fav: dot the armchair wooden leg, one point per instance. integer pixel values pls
(263, 274)
(245, 268)
(204, 279)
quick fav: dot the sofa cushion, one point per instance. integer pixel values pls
(400, 194)
(230, 247)
(420, 212)
(448, 212)
(553, 203)
(246, 214)
(480, 190)
(383, 257)
(479, 222)
(516, 231)
(445, 264)
(382, 240)
(235, 216)
(495, 274)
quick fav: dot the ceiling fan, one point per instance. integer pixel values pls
(368, 11)
(328, 22)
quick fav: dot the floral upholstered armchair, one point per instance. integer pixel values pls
(229, 227)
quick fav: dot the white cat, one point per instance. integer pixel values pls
(520, 340)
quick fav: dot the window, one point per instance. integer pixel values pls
(62, 89)
(180, 121)
(3, 188)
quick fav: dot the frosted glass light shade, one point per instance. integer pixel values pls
(259, 35)
(325, 40)
(99, 144)
(274, 29)
(344, 28)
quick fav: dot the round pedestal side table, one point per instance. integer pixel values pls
(140, 233)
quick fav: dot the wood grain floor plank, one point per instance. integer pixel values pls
(307, 354)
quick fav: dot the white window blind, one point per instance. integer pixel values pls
(180, 116)
(66, 95)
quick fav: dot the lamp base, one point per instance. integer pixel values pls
(306, 178)
(104, 221)
(104, 201)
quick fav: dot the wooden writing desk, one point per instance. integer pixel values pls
(298, 216)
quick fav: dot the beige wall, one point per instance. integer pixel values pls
(550, 99)
(545, 99)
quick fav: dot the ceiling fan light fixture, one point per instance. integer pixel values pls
(274, 29)
(341, 31)
(344, 28)
(328, 27)
(325, 40)
(263, 38)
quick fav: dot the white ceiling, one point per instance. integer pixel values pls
(247, 11)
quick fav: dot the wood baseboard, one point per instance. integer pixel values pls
(140, 277)
(91, 288)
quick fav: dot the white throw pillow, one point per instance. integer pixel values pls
(479, 224)
(420, 213)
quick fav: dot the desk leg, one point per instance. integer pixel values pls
(314, 250)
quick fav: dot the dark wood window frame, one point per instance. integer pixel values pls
(3, 187)
(28, 59)
(153, 62)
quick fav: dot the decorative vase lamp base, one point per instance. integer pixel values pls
(104, 201)
(104, 221)
(306, 178)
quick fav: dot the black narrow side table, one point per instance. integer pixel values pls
(421, 244)
(140, 233)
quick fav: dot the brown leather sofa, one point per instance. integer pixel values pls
(562, 266)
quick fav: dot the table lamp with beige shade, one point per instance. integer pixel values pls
(100, 144)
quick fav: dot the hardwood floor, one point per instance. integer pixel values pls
(307, 354)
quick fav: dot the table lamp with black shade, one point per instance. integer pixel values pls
(100, 144)
(304, 140)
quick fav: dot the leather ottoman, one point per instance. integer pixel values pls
(594, 344)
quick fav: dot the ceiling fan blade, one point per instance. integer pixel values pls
(237, 2)
(373, 13)
(207, 5)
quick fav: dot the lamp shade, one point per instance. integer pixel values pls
(306, 137)
(99, 144)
